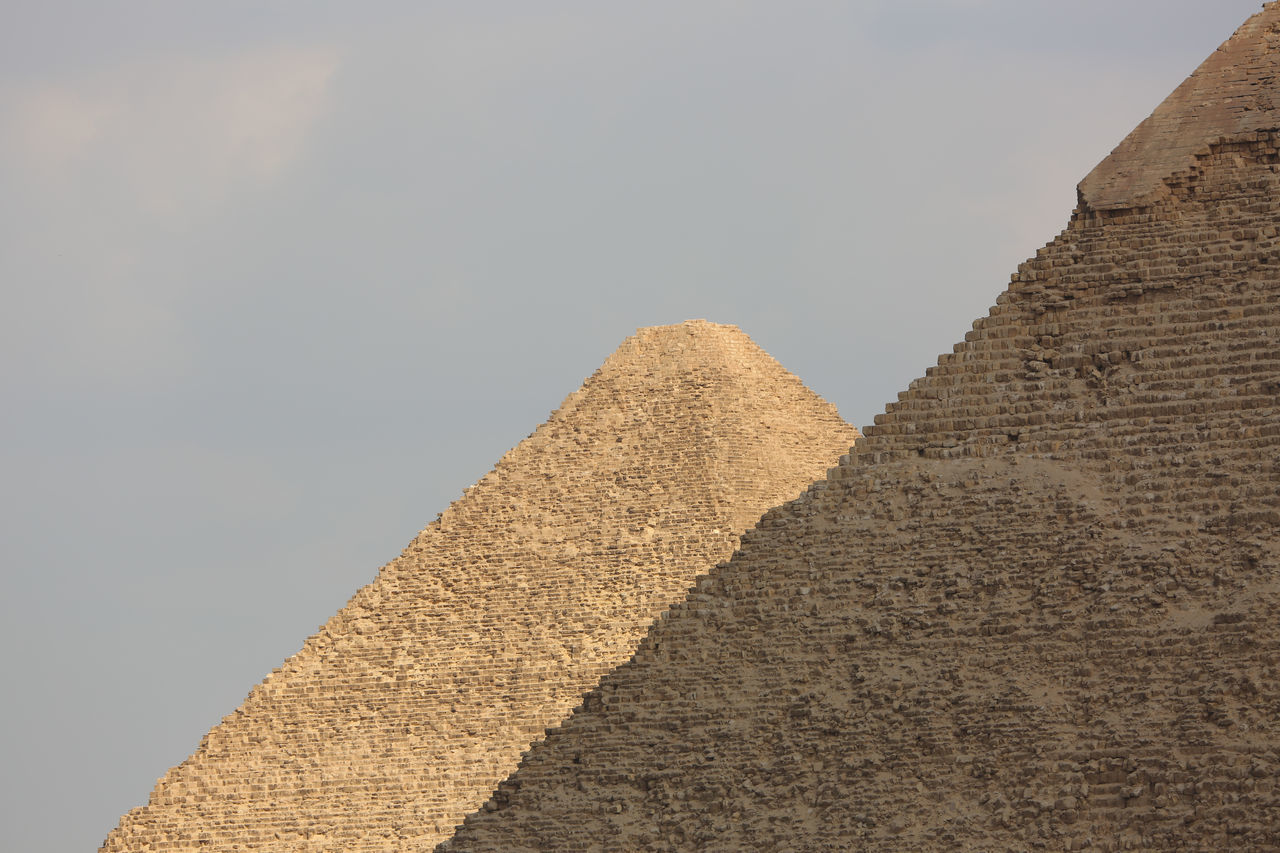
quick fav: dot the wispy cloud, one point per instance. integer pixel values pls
(105, 168)
(177, 132)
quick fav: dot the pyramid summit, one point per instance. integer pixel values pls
(408, 707)
(1035, 607)
(1231, 94)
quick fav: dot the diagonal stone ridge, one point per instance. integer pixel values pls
(408, 707)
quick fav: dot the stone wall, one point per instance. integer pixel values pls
(413, 702)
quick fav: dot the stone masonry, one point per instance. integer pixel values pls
(408, 707)
(1035, 607)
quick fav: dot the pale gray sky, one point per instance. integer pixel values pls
(281, 279)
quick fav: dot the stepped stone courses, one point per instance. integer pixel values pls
(410, 705)
(1035, 608)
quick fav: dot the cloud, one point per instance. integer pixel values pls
(108, 173)
(177, 132)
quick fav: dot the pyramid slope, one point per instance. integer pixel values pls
(963, 654)
(409, 705)
(1033, 609)
(1231, 93)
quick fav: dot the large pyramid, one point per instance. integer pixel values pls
(1036, 607)
(406, 709)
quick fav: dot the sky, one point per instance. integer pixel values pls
(280, 280)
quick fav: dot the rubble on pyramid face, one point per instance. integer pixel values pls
(1033, 609)
(401, 715)
(930, 655)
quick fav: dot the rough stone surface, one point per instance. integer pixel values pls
(1035, 607)
(406, 709)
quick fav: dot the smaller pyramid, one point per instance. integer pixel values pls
(410, 705)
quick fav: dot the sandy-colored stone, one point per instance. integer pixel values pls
(1035, 609)
(409, 706)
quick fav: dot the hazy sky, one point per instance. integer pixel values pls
(280, 279)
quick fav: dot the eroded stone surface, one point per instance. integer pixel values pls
(1034, 609)
(954, 654)
(409, 706)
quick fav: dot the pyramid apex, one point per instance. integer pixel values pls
(691, 326)
(503, 612)
(717, 335)
(1234, 92)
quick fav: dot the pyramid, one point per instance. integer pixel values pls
(1035, 607)
(405, 710)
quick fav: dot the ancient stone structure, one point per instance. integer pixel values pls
(1035, 608)
(410, 705)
